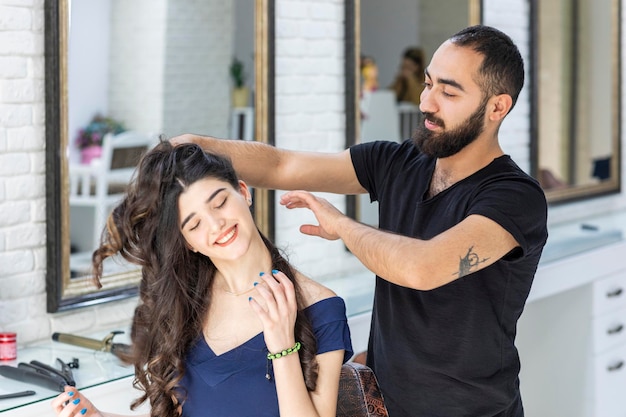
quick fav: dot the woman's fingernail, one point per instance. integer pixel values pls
(71, 393)
(261, 274)
(76, 401)
(83, 411)
(255, 284)
(274, 271)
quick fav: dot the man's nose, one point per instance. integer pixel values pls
(427, 102)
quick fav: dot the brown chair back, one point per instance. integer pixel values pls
(359, 394)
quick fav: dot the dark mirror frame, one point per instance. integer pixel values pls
(573, 193)
(61, 293)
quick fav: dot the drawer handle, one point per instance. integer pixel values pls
(614, 293)
(616, 367)
(616, 329)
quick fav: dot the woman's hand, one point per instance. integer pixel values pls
(277, 310)
(72, 403)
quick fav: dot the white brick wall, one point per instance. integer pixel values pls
(22, 186)
(22, 181)
(309, 115)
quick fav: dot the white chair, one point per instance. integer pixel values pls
(103, 182)
(410, 117)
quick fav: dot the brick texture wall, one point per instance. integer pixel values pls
(309, 115)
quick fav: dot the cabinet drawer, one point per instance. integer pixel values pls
(609, 293)
(609, 330)
(610, 378)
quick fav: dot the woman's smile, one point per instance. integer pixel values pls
(227, 237)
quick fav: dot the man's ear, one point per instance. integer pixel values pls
(499, 106)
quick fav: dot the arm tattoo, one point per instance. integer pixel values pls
(469, 262)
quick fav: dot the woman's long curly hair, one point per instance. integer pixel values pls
(175, 288)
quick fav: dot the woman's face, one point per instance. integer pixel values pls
(215, 219)
(409, 67)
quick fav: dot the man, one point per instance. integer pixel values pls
(461, 231)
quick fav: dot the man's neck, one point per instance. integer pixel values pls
(474, 157)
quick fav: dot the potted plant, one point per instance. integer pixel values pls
(240, 91)
(89, 139)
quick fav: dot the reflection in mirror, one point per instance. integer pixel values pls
(149, 68)
(393, 43)
(576, 111)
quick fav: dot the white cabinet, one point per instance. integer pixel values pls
(554, 343)
(610, 383)
(572, 347)
(609, 340)
(609, 294)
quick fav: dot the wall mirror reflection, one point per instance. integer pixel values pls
(393, 43)
(128, 71)
(576, 97)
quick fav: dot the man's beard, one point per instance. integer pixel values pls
(448, 143)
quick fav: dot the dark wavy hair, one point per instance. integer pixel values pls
(175, 287)
(502, 69)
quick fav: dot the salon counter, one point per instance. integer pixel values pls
(96, 372)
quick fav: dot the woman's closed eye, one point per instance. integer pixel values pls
(220, 205)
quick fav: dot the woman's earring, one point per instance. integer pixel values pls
(250, 201)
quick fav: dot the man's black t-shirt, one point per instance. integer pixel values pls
(450, 351)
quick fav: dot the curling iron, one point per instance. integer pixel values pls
(104, 345)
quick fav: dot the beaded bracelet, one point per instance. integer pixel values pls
(285, 352)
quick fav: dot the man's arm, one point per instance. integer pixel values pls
(266, 166)
(471, 245)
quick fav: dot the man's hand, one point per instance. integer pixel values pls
(326, 214)
(180, 139)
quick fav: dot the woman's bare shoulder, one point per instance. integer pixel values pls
(313, 291)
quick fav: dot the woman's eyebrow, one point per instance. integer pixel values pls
(208, 200)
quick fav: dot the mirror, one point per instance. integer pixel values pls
(162, 67)
(576, 97)
(378, 35)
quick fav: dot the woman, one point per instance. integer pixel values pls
(409, 82)
(225, 326)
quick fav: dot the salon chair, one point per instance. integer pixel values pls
(359, 394)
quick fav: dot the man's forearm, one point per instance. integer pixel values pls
(390, 256)
(266, 166)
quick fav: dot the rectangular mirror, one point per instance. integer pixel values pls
(378, 36)
(576, 97)
(156, 67)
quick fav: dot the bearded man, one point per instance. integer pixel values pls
(461, 231)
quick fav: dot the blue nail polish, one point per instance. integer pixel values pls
(249, 298)
(70, 394)
(83, 411)
(76, 401)
(255, 284)
(261, 274)
(274, 271)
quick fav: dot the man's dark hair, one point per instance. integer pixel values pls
(502, 70)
